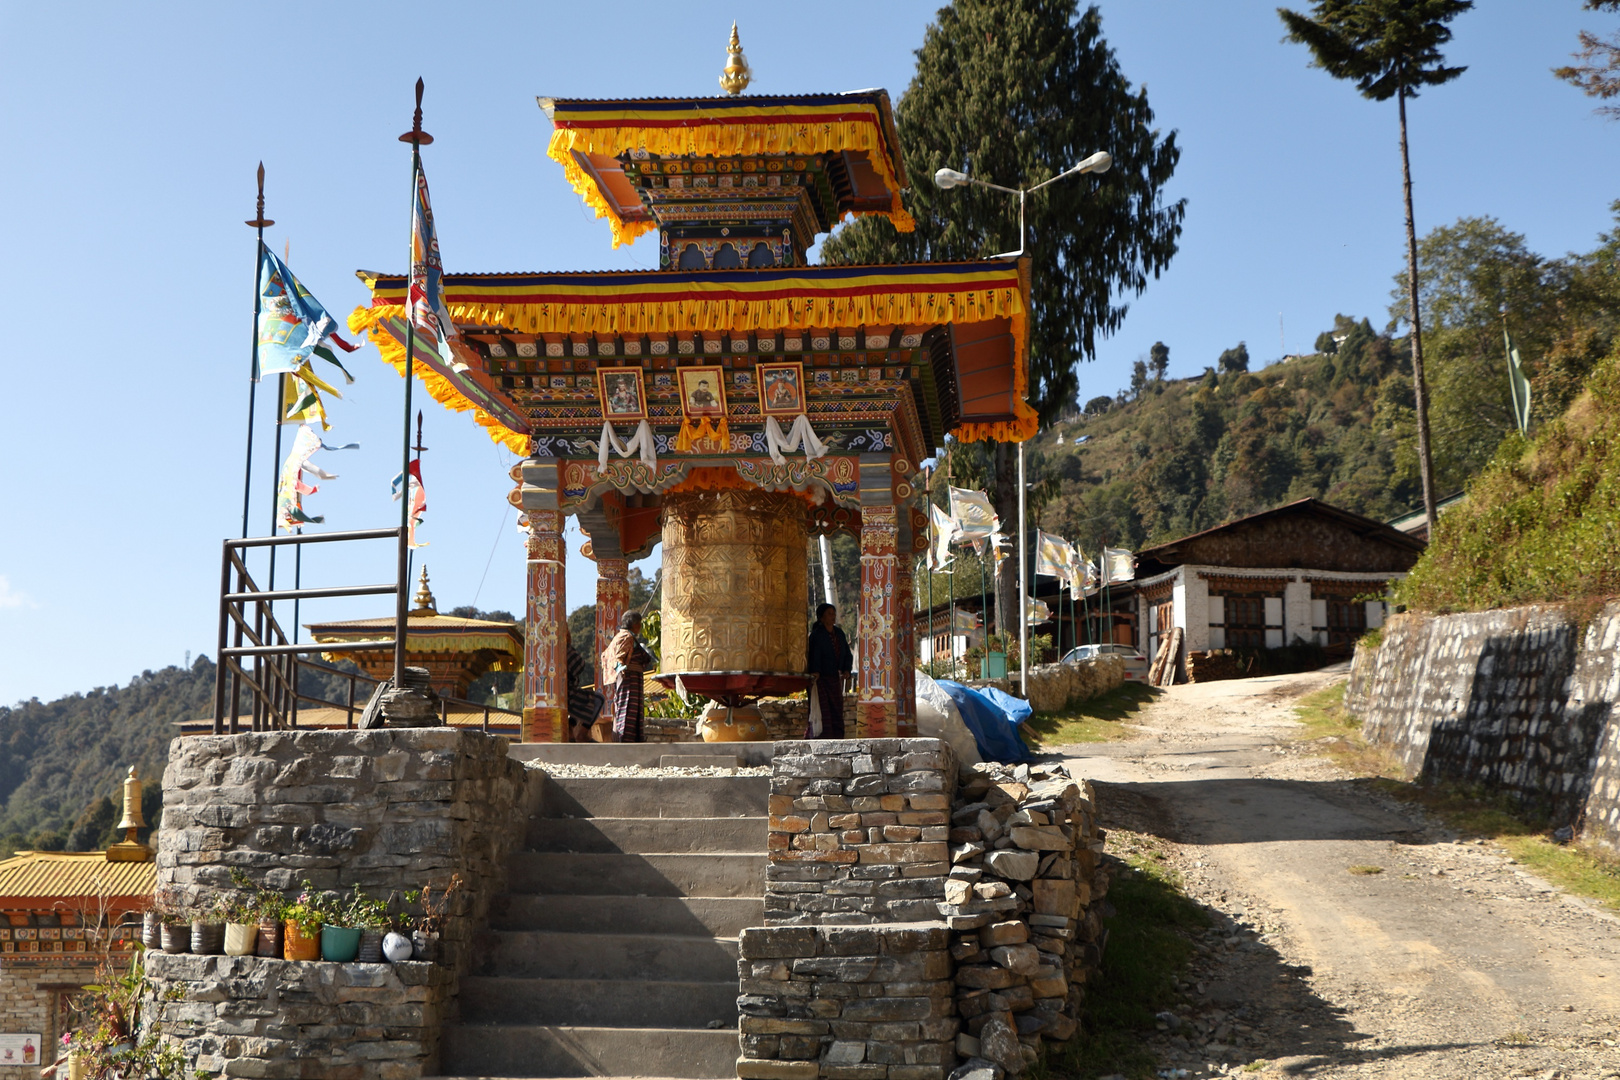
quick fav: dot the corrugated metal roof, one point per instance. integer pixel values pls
(32, 876)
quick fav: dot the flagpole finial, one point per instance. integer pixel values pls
(259, 220)
(416, 134)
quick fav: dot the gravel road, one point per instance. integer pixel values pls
(1448, 960)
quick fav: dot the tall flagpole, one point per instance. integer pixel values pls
(259, 222)
(417, 138)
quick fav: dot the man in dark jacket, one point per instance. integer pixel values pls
(829, 661)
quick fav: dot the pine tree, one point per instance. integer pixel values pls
(1390, 48)
(1015, 92)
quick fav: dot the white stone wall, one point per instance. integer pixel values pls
(1298, 624)
(1196, 602)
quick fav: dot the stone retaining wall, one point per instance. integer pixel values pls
(387, 810)
(846, 1002)
(879, 846)
(252, 1017)
(1518, 701)
(1055, 687)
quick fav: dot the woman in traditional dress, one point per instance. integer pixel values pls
(626, 659)
(829, 661)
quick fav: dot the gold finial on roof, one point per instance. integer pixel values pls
(129, 849)
(424, 596)
(734, 79)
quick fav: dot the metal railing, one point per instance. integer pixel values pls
(272, 679)
(272, 682)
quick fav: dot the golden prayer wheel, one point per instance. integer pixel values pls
(735, 588)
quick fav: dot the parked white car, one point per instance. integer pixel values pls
(1136, 665)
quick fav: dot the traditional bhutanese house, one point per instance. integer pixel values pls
(62, 914)
(764, 400)
(1306, 572)
(455, 651)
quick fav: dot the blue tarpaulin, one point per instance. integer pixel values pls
(993, 718)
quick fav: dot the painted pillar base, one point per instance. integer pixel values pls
(545, 657)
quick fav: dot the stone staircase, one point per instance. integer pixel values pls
(615, 951)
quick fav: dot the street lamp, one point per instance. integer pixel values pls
(945, 180)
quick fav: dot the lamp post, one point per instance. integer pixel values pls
(945, 179)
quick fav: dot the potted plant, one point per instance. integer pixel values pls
(208, 928)
(340, 936)
(430, 923)
(152, 929)
(301, 926)
(175, 932)
(371, 916)
(241, 929)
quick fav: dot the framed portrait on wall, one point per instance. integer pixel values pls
(703, 392)
(622, 393)
(781, 388)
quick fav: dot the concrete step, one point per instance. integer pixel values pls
(699, 761)
(597, 1002)
(655, 796)
(552, 954)
(559, 1051)
(699, 916)
(646, 755)
(559, 873)
(639, 835)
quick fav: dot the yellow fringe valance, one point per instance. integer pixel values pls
(364, 320)
(719, 139)
(701, 429)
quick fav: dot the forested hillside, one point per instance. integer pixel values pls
(60, 761)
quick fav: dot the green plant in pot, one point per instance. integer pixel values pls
(265, 907)
(208, 927)
(176, 929)
(368, 918)
(427, 926)
(301, 925)
(241, 924)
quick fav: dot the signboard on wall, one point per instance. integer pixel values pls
(21, 1049)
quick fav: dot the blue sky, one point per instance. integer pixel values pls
(131, 133)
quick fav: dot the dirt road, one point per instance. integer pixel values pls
(1447, 960)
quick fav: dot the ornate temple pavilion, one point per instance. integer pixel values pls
(736, 401)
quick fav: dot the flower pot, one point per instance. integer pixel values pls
(340, 943)
(152, 931)
(397, 947)
(270, 938)
(75, 1066)
(297, 945)
(370, 951)
(241, 939)
(176, 939)
(424, 946)
(207, 938)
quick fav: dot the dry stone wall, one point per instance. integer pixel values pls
(387, 810)
(1054, 687)
(918, 913)
(1520, 701)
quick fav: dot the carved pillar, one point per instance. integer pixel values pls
(875, 628)
(545, 660)
(905, 618)
(612, 598)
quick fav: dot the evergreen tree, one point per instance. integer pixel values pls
(1234, 360)
(1159, 360)
(1390, 48)
(1015, 92)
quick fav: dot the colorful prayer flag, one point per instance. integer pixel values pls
(1036, 611)
(418, 497)
(292, 324)
(425, 302)
(973, 515)
(1076, 570)
(291, 487)
(1121, 564)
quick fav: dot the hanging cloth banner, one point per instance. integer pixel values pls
(700, 429)
(292, 324)
(302, 402)
(1074, 571)
(641, 441)
(1036, 611)
(1091, 584)
(939, 555)
(1121, 564)
(800, 434)
(425, 299)
(418, 496)
(975, 518)
(292, 487)
(1051, 555)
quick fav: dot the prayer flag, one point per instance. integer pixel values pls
(974, 517)
(1518, 385)
(291, 487)
(292, 324)
(1051, 554)
(426, 306)
(302, 402)
(939, 555)
(1036, 611)
(1120, 563)
(418, 497)
(1076, 570)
